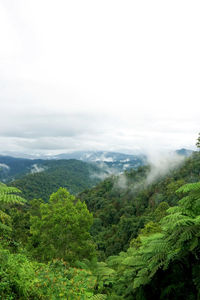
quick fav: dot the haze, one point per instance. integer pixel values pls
(99, 75)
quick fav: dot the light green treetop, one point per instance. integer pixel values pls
(62, 229)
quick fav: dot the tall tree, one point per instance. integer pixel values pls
(62, 229)
(198, 142)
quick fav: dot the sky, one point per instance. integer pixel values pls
(108, 75)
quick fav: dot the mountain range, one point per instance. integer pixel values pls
(106, 162)
(12, 168)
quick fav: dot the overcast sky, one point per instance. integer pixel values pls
(99, 75)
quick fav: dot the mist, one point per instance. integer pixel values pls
(37, 169)
(4, 166)
(105, 171)
(161, 163)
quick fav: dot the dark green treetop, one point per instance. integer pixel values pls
(198, 142)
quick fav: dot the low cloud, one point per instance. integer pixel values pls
(4, 166)
(161, 163)
(105, 171)
(37, 169)
(121, 182)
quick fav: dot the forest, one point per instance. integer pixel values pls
(40, 178)
(124, 238)
(99, 150)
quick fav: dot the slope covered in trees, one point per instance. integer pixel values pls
(123, 204)
(164, 263)
(143, 244)
(71, 174)
(12, 168)
(56, 231)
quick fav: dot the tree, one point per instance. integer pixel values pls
(198, 142)
(62, 229)
(8, 195)
(165, 263)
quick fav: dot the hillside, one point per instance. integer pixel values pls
(71, 174)
(112, 162)
(12, 167)
(135, 238)
(116, 162)
(121, 204)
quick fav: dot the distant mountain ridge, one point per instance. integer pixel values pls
(112, 161)
(75, 175)
(184, 152)
(109, 162)
(12, 168)
(96, 156)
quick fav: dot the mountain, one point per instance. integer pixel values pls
(184, 152)
(113, 161)
(38, 178)
(110, 162)
(48, 176)
(12, 167)
(94, 156)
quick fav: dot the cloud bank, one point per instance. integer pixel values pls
(103, 75)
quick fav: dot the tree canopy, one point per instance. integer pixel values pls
(144, 242)
(62, 229)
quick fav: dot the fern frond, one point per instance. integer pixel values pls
(5, 227)
(4, 217)
(10, 195)
(176, 220)
(142, 278)
(99, 297)
(189, 187)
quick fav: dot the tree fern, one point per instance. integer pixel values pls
(178, 238)
(190, 187)
(8, 195)
(99, 297)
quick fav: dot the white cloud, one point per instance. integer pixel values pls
(107, 75)
(161, 164)
(36, 169)
(4, 166)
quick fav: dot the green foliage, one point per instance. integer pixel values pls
(21, 278)
(122, 205)
(59, 281)
(15, 167)
(8, 196)
(198, 141)
(152, 266)
(160, 211)
(62, 229)
(17, 276)
(156, 227)
(71, 174)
